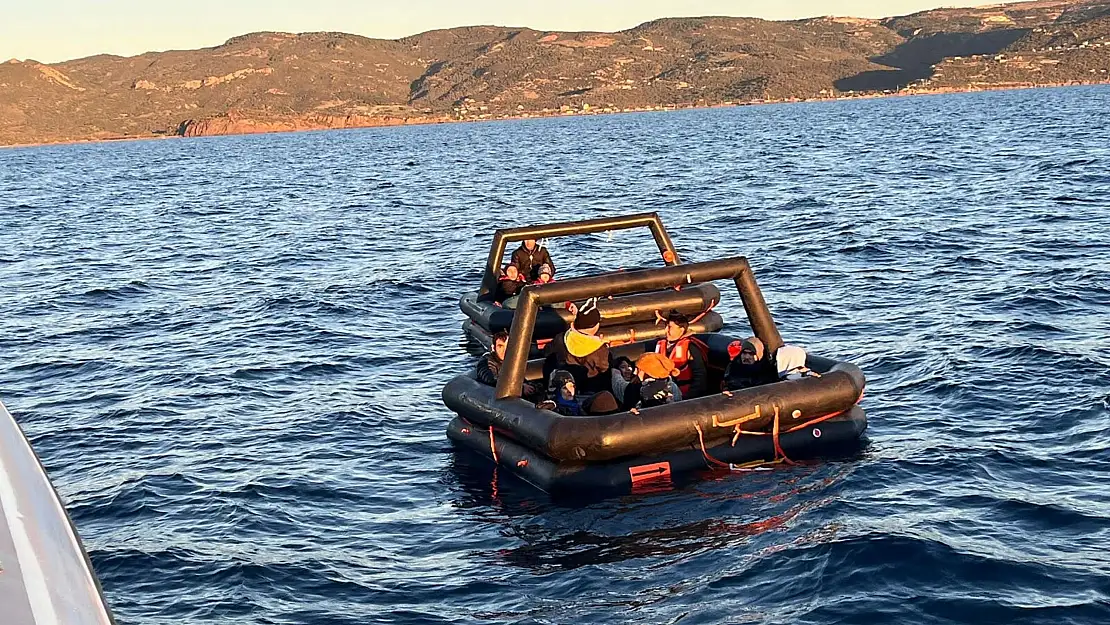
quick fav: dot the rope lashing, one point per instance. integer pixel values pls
(492, 444)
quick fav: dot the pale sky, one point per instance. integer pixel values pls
(57, 30)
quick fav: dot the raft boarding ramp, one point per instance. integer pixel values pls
(45, 575)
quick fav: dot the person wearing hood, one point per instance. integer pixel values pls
(581, 351)
(508, 286)
(489, 366)
(749, 366)
(564, 399)
(651, 383)
(529, 257)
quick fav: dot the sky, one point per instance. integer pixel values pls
(57, 30)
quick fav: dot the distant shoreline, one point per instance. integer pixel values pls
(426, 121)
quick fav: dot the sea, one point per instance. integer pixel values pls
(229, 352)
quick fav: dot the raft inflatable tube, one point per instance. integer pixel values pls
(620, 315)
(570, 480)
(45, 575)
(588, 454)
(646, 330)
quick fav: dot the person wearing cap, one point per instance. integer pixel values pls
(749, 365)
(546, 274)
(688, 355)
(651, 383)
(530, 256)
(581, 351)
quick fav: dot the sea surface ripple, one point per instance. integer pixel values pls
(228, 353)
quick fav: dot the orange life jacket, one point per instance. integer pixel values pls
(680, 356)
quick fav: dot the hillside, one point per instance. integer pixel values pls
(279, 81)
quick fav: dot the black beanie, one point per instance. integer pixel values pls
(588, 315)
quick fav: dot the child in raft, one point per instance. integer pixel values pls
(624, 373)
(508, 287)
(652, 384)
(546, 275)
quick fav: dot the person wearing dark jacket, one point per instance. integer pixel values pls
(508, 286)
(651, 383)
(489, 366)
(581, 352)
(529, 257)
(749, 367)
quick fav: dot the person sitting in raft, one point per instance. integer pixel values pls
(489, 365)
(791, 361)
(623, 372)
(508, 287)
(563, 398)
(749, 366)
(546, 275)
(529, 257)
(652, 385)
(581, 351)
(688, 355)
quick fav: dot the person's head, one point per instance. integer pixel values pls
(626, 368)
(529, 244)
(588, 318)
(562, 383)
(512, 272)
(545, 273)
(500, 343)
(654, 366)
(751, 351)
(677, 325)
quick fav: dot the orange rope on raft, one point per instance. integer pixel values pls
(780, 455)
(492, 444)
(710, 460)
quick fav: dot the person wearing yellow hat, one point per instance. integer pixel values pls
(581, 351)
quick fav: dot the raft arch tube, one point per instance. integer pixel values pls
(45, 575)
(589, 455)
(625, 316)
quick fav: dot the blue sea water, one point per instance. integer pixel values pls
(228, 353)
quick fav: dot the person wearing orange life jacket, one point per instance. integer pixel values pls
(688, 355)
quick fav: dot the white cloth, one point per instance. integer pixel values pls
(791, 362)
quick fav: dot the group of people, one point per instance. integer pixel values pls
(530, 264)
(581, 376)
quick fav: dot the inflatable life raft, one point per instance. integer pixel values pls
(45, 575)
(624, 317)
(590, 455)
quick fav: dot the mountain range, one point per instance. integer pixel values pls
(279, 81)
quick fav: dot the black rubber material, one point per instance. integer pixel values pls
(646, 331)
(594, 439)
(581, 480)
(615, 313)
